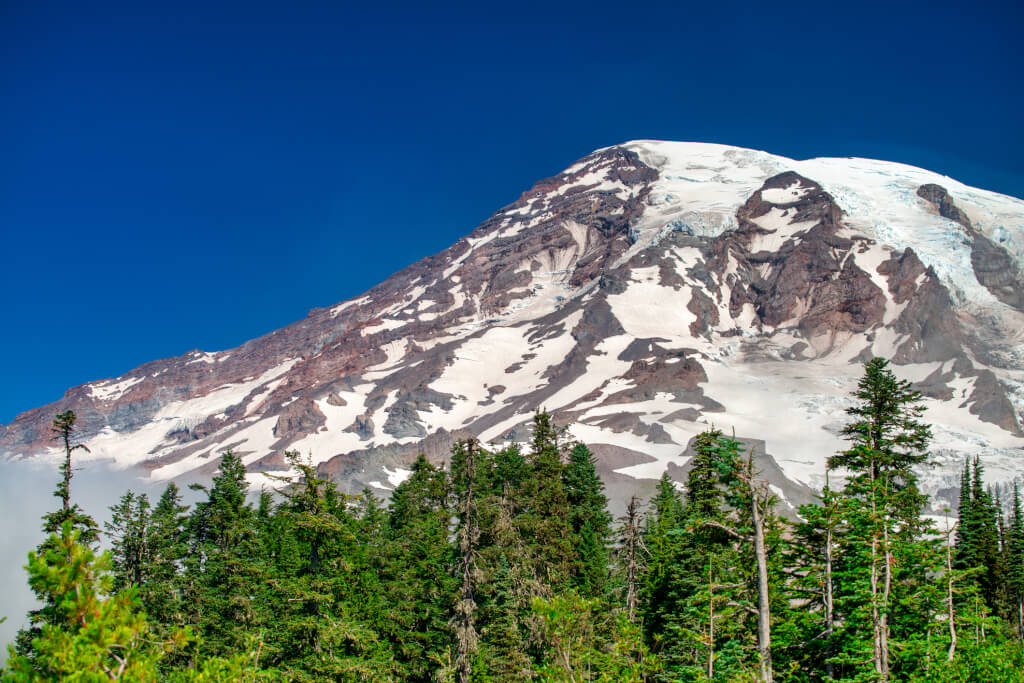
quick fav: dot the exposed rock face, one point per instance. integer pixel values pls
(646, 292)
(298, 418)
(992, 264)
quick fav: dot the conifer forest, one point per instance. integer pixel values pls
(505, 564)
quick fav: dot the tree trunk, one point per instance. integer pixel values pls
(949, 598)
(876, 637)
(764, 627)
(883, 627)
(711, 625)
(829, 616)
(66, 492)
(633, 548)
(466, 635)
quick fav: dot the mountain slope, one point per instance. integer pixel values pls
(647, 291)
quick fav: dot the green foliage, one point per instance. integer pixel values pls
(88, 633)
(583, 642)
(502, 566)
(589, 521)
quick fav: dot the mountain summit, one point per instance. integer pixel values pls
(646, 292)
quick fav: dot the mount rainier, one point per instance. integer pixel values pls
(646, 292)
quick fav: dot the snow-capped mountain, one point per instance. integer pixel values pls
(648, 291)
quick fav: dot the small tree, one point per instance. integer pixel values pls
(91, 633)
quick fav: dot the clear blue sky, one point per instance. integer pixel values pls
(195, 176)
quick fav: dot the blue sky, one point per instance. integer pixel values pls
(192, 176)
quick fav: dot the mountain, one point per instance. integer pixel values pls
(646, 292)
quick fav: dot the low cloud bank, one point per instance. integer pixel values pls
(26, 493)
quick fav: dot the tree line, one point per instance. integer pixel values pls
(505, 565)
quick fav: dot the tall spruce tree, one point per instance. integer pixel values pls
(631, 558)
(465, 482)
(69, 515)
(885, 543)
(1015, 561)
(128, 532)
(543, 519)
(417, 573)
(161, 589)
(589, 521)
(225, 580)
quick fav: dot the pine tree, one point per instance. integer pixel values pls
(161, 589)
(128, 533)
(87, 532)
(631, 558)
(589, 521)
(543, 519)
(663, 539)
(813, 557)
(417, 572)
(883, 505)
(90, 631)
(1015, 561)
(63, 431)
(465, 479)
(315, 633)
(224, 587)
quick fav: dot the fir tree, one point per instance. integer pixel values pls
(63, 431)
(1015, 561)
(69, 514)
(589, 521)
(417, 572)
(128, 530)
(882, 504)
(631, 558)
(465, 479)
(543, 519)
(225, 573)
(90, 632)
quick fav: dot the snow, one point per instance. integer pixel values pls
(323, 445)
(600, 368)
(788, 195)
(796, 406)
(879, 198)
(481, 361)
(397, 476)
(111, 391)
(361, 301)
(151, 439)
(649, 309)
(662, 453)
(869, 261)
(383, 325)
(780, 230)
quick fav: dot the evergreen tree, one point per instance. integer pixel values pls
(315, 633)
(128, 533)
(543, 519)
(1015, 562)
(812, 556)
(663, 539)
(885, 547)
(90, 632)
(631, 558)
(465, 480)
(417, 573)
(69, 514)
(225, 580)
(63, 431)
(589, 521)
